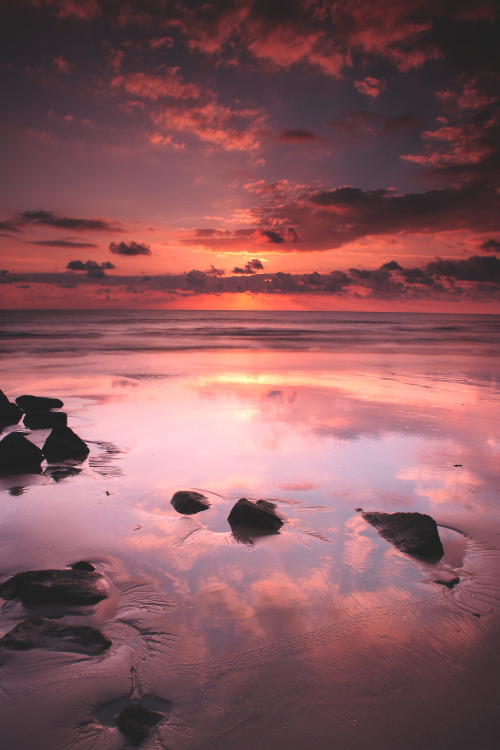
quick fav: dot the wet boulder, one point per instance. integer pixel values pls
(38, 403)
(42, 420)
(37, 632)
(413, 533)
(40, 587)
(188, 502)
(9, 413)
(62, 444)
(19, 455)
(135, 722)
(261, 514)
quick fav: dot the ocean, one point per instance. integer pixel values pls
(323, 634)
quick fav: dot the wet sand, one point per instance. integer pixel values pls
(323, 635)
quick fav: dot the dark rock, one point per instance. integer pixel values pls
(18, 454)
(41, 420)
(63, 443)
(38, 403)
(82, 565)
(188, 502)
(135, 722)
(9, 413)
(38, 587)
(261, 514)
(414, 533)
(37, 632)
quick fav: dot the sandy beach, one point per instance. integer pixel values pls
(320, 635)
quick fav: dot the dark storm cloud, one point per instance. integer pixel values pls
(93, 268)
(251, 267)
(129, 248)
(49, 219)
(330, 218)
(63, 243)
(478, 268)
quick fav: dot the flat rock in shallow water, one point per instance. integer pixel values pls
(37, 632)
(260, 514)
(38, 403)
(62, 444)
(135, 722)
(188, 502)
(41, 420)
(18, 454)
(413, 533)
(38, 587)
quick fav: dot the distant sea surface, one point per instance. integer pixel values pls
(126, 330)
(323, 635)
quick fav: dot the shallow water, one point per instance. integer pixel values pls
(322, 635)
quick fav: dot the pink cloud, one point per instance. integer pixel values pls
(216, 124)
(370, 87)
(157, 85)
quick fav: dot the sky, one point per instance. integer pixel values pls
(250, 154)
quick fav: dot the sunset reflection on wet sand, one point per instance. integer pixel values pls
(320, 635)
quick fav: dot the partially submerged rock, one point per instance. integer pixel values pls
(38, 403)
(62, 444)
(38, 587)
(189, 502)
(9, 413)
(135, 722)
(82, 565)
(413, 533)
(18, 454)
(37, 632)
(261, 514)
(41, 420)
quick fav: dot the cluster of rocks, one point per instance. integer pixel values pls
(78, 585)
(18, 454)
(246, 519)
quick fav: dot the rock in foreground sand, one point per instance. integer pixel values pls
(18, 454)
(38, 587)
(260, 514)
(38, 403)
(189, 502)
(413, 533)
(37, 632)
(62, 444)
(135, 722)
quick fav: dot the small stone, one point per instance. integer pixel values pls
(135, 722)
(62, 444)
(188, 502)
(18, 454)
(37, 632)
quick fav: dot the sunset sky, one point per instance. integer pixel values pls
(274, 154)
